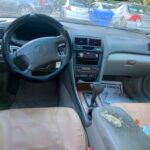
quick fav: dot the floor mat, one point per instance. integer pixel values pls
(36, 95)
(113, 93)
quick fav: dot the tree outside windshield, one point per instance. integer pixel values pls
(133, 14)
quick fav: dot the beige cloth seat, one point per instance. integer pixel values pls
(137, 111)
(41, 129)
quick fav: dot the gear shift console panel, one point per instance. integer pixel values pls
(89, 95)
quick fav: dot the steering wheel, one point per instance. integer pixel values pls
(37, 52)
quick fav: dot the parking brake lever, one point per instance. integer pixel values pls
(97, 89)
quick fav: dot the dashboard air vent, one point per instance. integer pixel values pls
(81, 41)
(95, 42)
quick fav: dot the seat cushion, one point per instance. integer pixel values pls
(41, 129)
(138, 111)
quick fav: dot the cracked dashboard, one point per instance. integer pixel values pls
(97, 51)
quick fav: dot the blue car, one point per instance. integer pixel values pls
(9, 8)
(101, 13)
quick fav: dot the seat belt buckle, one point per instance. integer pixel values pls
(89, 148)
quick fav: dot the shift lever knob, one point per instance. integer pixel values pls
(97, 89)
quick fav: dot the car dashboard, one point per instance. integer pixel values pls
(97, 51)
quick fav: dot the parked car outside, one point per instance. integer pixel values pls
(101, 13)
(75, 9)
(131, 15)
(10, 8)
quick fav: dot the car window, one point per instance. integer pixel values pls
(118, 5)
(108, 6)
(95, 5)
(138, 9)
(77, 3)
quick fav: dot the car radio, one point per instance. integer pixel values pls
(87, 58)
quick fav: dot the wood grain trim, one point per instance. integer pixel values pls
(84, 86)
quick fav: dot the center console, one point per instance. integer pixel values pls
(111, 128)
(88, 54)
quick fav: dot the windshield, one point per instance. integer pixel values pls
(123, 15)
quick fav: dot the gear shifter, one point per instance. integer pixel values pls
(97, 89)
